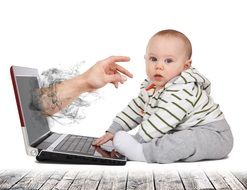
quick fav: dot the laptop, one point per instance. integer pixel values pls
(48, 146)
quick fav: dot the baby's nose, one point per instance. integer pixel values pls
(159, 65)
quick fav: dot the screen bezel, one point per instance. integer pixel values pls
(17, 71)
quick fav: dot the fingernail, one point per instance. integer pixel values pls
(124, 78)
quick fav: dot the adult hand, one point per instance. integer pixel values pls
(102, 140)
(55, 98)
(107, 71)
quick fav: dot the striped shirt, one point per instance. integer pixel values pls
(182, 103)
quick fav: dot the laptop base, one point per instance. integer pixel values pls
(45, 156)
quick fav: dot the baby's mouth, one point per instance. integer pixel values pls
(158, 77)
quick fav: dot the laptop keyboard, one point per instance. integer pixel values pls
(76, 144)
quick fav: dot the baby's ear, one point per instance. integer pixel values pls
(187, 64)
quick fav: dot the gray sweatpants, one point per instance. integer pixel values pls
(211, 141)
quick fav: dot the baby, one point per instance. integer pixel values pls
(177, 118)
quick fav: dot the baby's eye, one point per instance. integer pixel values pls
(152, 58)
(168, 60)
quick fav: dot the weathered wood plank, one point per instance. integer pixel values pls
(86, 180)
(217, 180)
(33, 180)
(140, 180)
(168, 180)
(66, 181)
(159, 179)
(231, 180)
(10, 177)
(53, 180)
(195, 180)
(115, 180)
(241, 176)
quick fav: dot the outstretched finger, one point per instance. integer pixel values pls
(124, 71)
(113, 59)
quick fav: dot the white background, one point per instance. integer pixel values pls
(43, 34)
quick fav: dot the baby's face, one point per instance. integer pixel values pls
(165, 59)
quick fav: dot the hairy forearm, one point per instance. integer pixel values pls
(54, 98)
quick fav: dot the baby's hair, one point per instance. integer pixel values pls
(175, 33)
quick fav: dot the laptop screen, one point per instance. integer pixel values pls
(36, 123)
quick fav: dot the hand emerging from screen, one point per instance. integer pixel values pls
(102, 140)
(54, 98)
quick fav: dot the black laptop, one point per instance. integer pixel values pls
(47, 145)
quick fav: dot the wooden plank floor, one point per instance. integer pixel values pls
(103, 180)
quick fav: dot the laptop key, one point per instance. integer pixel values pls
(77, 144)
(73, 144)
(80, 145)
(58, 147)
(91, 150)
(66, 145)
(86, 147)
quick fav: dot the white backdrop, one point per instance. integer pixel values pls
(44, 34)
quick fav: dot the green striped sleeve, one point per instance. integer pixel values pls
(198, 75)
(124, 122)
(134, 111)
(141, 99)
(197, 92)
(200, 121)
(130, 117)
(187, 92)
(184, 79)
(213, 109)
(137, 105)
(180, 107)
(206, 104)
(164, 121)
(189, 102)
(167, 90)
(176, 96)
(156, 128)
(162, 100)
(207, 87)
(191, 76)
(219, 114)
(203, 110)
(172, 114)
(198, 99)
(146, 133)
(153, 107)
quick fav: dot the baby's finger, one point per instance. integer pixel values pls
(97, 141)
(103, 141)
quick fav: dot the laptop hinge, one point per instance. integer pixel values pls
(42, 138)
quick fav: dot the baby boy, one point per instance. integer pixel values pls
(176, 116)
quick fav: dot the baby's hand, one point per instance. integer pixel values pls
(102, 140)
